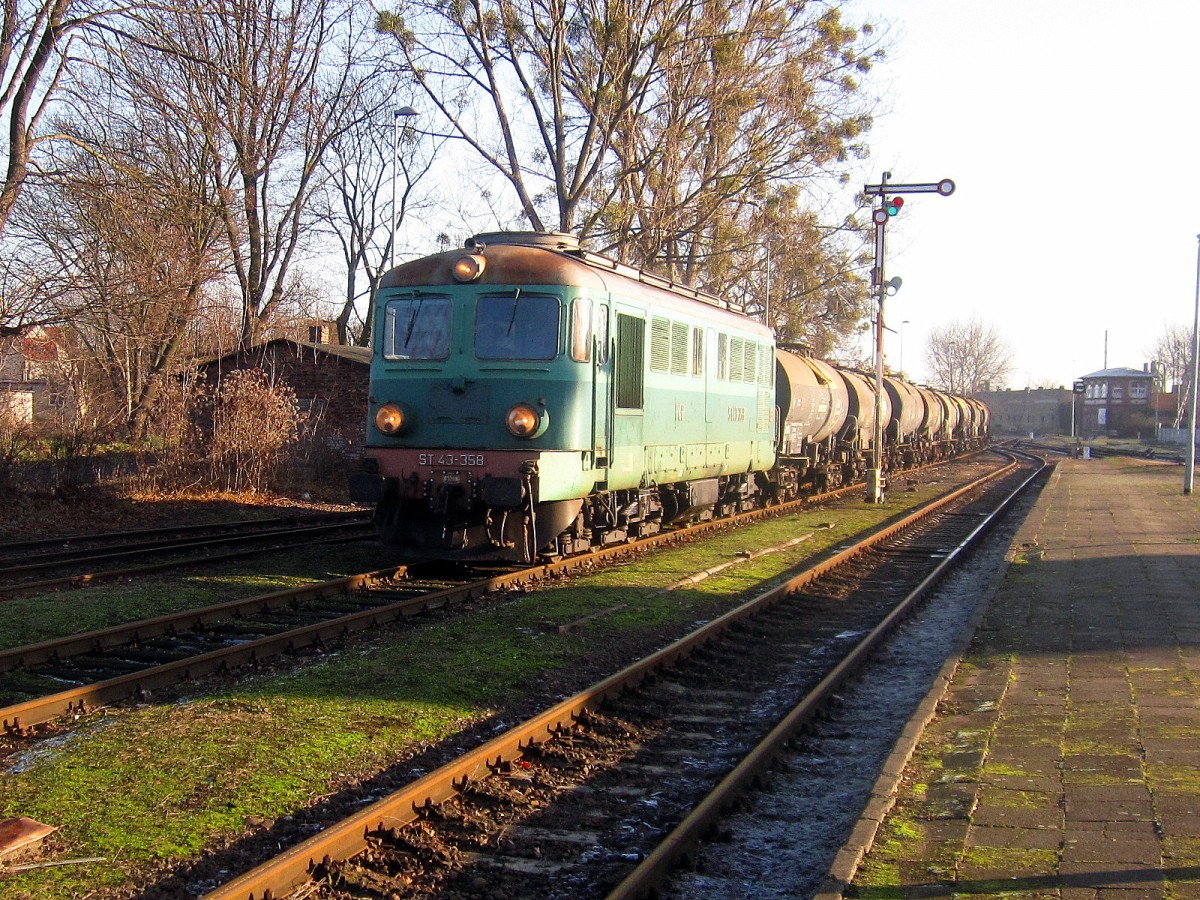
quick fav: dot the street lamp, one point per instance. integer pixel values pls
(1189, 474)
(404, 112)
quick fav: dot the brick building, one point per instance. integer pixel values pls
(330, 382)
(33, 389)
(1119, 402)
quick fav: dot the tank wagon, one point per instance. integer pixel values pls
(531, 399)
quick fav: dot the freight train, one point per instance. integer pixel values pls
(530, 399)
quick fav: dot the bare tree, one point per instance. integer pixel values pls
(25, 300)
(558, 78)
(1173, 354)
(967, 357)
(760, 102)
(35, 59)
(363, 167)
(805, 279)
(132, 247)
(268, 84)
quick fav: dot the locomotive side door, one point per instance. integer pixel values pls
(602, 367)
(626, 455)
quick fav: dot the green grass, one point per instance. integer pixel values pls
(42, 617)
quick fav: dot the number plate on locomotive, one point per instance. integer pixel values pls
(450, 459)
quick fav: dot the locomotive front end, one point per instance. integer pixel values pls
(480, 426)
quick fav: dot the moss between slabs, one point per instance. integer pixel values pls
(162, 782)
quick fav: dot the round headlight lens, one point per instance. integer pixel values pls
(468, 268)
(523, 421)
(390, 418)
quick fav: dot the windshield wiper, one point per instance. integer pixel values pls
(513, 318)
(412, 322)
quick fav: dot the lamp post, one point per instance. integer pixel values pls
(404, 112)
(767, 301)
(1189, 474)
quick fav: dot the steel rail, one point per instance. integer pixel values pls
(21, 589)
(70, 558)
(651, 874)
(8, 548)
(299, 864)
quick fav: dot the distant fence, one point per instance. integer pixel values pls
(1174, 436)
(51, 474)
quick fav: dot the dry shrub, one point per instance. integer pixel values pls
(15, 444)
(253, 426)
(175, 445)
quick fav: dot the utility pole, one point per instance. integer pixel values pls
(1189, 474)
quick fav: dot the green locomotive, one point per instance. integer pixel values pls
(529, 397)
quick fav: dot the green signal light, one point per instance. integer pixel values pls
(894, 204)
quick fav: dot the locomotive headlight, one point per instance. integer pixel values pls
(391, 418)
(524, 421)
(468, 268)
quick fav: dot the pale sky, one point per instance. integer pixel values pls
(1071, 131)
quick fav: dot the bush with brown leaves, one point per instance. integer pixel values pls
(253, 427)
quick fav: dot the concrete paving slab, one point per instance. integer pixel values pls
(1082, 687)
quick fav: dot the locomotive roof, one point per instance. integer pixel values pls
(542, 258)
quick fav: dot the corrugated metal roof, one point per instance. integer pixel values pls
(354, 354)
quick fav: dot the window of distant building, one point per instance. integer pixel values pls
(1139, 390)
(1118, 393)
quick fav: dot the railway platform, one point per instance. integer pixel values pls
(1062, 757)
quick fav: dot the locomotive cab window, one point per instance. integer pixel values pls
(516, 325)
(581, 329)
(417, 327)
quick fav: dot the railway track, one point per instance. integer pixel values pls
(603, 792)
(69, 676)
(80, 560)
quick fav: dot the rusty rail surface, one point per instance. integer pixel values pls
(68, 559)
